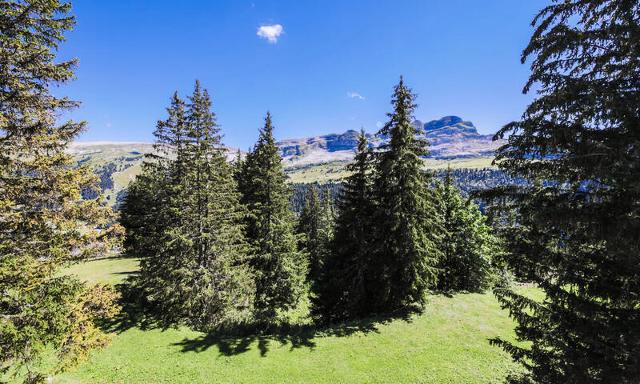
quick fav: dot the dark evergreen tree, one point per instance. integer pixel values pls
(299, 193)
(147, 206)
(405, 250)
(308, 228)
(238, 164)
(193, 267)
(44, 222)
(151, 213)
(279, 267)
(220, 286)
(327, 220)
(467, 245)
(578, 216)
(315, 226)
(345, 285)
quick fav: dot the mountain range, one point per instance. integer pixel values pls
(450, 137)
(453, 140)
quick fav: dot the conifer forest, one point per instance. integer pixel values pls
(397, 252)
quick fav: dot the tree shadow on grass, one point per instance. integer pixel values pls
(232, 342)
(134, 312)
(238, 339)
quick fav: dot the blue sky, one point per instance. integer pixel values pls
(331, 68)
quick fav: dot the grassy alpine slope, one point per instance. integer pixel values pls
(448, 343)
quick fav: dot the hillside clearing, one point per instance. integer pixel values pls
(448, 343)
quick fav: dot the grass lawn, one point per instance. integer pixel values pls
(448, 343)
(109, 270)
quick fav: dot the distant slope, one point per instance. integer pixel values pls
(116, 163)
(335, 170)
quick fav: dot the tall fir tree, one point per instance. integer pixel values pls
(407, 224)
(223, 287)
(44, 222)
(196, 271)
(146, 206)
(346, 283)
(578, 217)
(151, 211)
(467, 245)
(279, 267)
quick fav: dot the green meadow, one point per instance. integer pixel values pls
(447, 343)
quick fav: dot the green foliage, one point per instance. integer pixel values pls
(467, 244)
(315, 225)
(183, 219)
(404, 251)
(575, 231)
(344, 286)
(278, 266)
(44, 222)
(387, 236)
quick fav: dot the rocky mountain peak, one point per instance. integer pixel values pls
(450, 137)
(450, 121)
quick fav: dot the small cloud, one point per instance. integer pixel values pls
(355, 95)
(379, 124)
(270, 32)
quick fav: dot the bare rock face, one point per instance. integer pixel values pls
(447, 121)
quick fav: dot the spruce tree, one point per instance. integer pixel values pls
(146, 206)
(44, 222)
(279, 267)
(405, 249)
(466, 245)
(222, 287)
(196, 272)
(578, 222)
(151, 212)
(346, 283)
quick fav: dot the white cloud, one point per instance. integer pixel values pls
(379, 124)
(270, 32)
(355, 95)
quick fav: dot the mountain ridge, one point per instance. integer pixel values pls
(451, 138)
